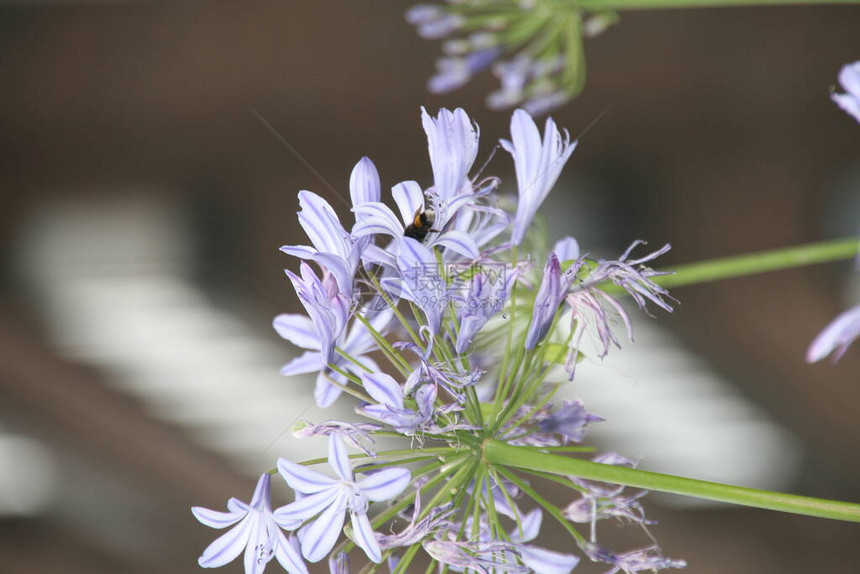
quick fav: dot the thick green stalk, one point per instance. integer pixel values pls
(504, 455)
(752, 263)
(607, 5)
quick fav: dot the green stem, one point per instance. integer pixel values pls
(501, 454)
(607, 5)
(752, 263)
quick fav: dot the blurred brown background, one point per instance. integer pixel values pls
(131, 156)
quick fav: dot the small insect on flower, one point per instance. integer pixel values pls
(421, 225)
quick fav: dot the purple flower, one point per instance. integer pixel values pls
(849, 77)
(254, 530)
(455, 72)
(306, 333)
(453, 142)
(537, 165)
(327, 307)
(550, 295)
(486, 295)
(325, 502)
(333, 247)
(570, 421)
(339, 563)
(391, 409)
(836, 336)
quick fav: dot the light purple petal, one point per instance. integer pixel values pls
(298, 330)
(383, 388)
(530, 527)
(459, 242)
(376, 217)
(338, 459)
(566, 249)
(262, 493)
(547, 561)
(288, 556)
(322, 535)
(365, 538)
(226, 547)
(216, 519)
(325, 393)
(452, 139)
(385, 484)
(322, 225)
(836, 336)
(309, 362)
(409, 198)
(303, 479)
(293, 514)
(255, 558)
(849, 77)
(364, 183)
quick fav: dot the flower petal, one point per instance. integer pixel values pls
(385, 484)
(227, 546)
(309, 362)
(364, 183)
(375, 217)
(321, 536)
(298, 330)
(304, 508)
(409, 198)
(383, 388)
(288, 556)
(459, 242)
(216, 519)
(303, 479)
(338, 458)
(547, 561)
(365, 538)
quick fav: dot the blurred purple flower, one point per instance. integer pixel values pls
(328, 499)
(849, 77)
(835, 337)
(537, 164)
(649, 559)
(254, 530)
(570, 421)
(487, 294)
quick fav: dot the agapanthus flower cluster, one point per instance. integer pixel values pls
(534, 47)
(443, 323)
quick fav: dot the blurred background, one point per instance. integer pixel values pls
(151, 156)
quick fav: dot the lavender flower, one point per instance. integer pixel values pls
(537, 164)
(835, 337)
(550, 295)
(453, 142)
(487, 294)
(570, 421)
(422, 284)
(305, 333)
(333, 247)
(849, 77)
(254, 530)
(329, 499)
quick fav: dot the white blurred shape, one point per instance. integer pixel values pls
(28, 476)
